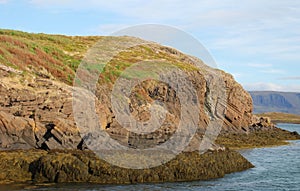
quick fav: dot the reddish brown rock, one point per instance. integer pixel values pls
(37, 112)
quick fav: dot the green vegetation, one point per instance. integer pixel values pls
(59, 55)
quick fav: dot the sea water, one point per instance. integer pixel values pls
(276, 169)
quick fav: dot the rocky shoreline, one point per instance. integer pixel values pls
(278, 117)
(36, 166)
(257, 139)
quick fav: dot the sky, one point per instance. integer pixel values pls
(257, 41)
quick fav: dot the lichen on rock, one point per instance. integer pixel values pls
(36, 166)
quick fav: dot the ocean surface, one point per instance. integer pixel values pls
(276, 169)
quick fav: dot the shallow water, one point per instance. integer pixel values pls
(276, 169)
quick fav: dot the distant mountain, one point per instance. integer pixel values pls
(270, 101)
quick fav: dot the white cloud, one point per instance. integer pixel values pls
(282, 43)
(290, 78)
(237, 75)
(266, 68)
(4, 1)
(259, 65)
(61, 3)
(202, 12)
(273, 71)
(107, 29)
(260, 86)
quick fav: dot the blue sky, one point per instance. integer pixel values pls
(258, 41)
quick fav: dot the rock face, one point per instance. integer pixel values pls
(36, 115)
(238, 115)
(36, 111)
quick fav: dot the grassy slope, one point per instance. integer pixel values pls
(58, 56)
(277, 117)
(44, 55)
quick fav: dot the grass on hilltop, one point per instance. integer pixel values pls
(58, 56)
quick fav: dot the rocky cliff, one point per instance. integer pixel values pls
(41, 141)
(36, 93)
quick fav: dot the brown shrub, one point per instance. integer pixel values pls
(12, 41)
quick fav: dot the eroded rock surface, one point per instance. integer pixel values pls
(83, 166)
(36, 112)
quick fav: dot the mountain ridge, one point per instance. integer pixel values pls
(273, 101)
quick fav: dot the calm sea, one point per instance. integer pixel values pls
(276, 169)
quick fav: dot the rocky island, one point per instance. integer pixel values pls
(40, 141)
